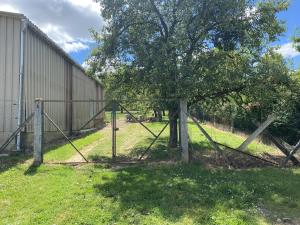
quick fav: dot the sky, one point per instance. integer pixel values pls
(292, 19)
(67, 22)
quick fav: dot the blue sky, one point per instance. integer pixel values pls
(67, 22)
(292, 18)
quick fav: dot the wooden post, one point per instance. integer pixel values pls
(38, 132)
(282, 147)
(184, 140)
(256, 133)
(295, 149)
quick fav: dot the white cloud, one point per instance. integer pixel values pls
(67, 22)
(288, 50)
(88, 4)
(74, 46)
(57, 33)
(8, 8)
(85, 65)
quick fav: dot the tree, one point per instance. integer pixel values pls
(296, 40)
(194, 49)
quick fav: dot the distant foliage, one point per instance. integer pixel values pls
(297, 42)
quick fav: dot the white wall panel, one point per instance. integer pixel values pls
(84, 88)
(10, 28)
(49, 74)
(44, 78)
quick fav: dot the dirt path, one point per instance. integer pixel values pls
(86, 150)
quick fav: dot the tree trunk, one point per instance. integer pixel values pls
(173, 115)
(159, 115)
(164, 113)
(232, 125)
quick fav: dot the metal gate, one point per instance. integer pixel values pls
(128, 131)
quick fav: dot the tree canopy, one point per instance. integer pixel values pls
(200, 50)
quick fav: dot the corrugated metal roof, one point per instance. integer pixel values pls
(35, 28)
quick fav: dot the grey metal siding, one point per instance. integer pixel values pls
(45, 77)
(49, 73)
(10, 30)
(84, 88)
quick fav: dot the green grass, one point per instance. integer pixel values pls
(133, 139)
(227, 138)
(166, 194)
(63, 152)
(145, 194)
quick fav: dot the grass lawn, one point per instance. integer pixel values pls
(166, 194)
(133, 139)
(155, 193)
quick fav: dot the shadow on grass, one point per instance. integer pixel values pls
(32, 170)
(158, 151)
(204, 153)
(11, 161)
(173, 192)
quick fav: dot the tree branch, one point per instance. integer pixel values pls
(218, 94)
(175, 20)
(162, 21)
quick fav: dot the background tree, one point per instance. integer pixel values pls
(195, 49)
(296, 40)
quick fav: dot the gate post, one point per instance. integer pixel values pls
(38, 132)
(113, 125)
(184, 142)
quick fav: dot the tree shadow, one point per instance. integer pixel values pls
(13, 160)
(32, 170)
(173, 192)
(158, 151)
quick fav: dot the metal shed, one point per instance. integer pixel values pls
(33, 66)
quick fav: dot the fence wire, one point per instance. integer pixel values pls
(83, 130)
(141, 133)
(239, 140)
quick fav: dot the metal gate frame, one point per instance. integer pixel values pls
(40, 114)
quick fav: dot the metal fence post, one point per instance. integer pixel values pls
(113, 125)
(184, 142)
(38, 132)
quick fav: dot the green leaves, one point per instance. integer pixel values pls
(296, 40)
(197, 49)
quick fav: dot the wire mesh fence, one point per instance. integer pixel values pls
(110, 131)
(138, 132)
(240, 145)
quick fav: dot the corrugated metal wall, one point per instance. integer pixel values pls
(84, 88)
(48, 73)
(45, 77)
(10, 28)
(51, 76)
